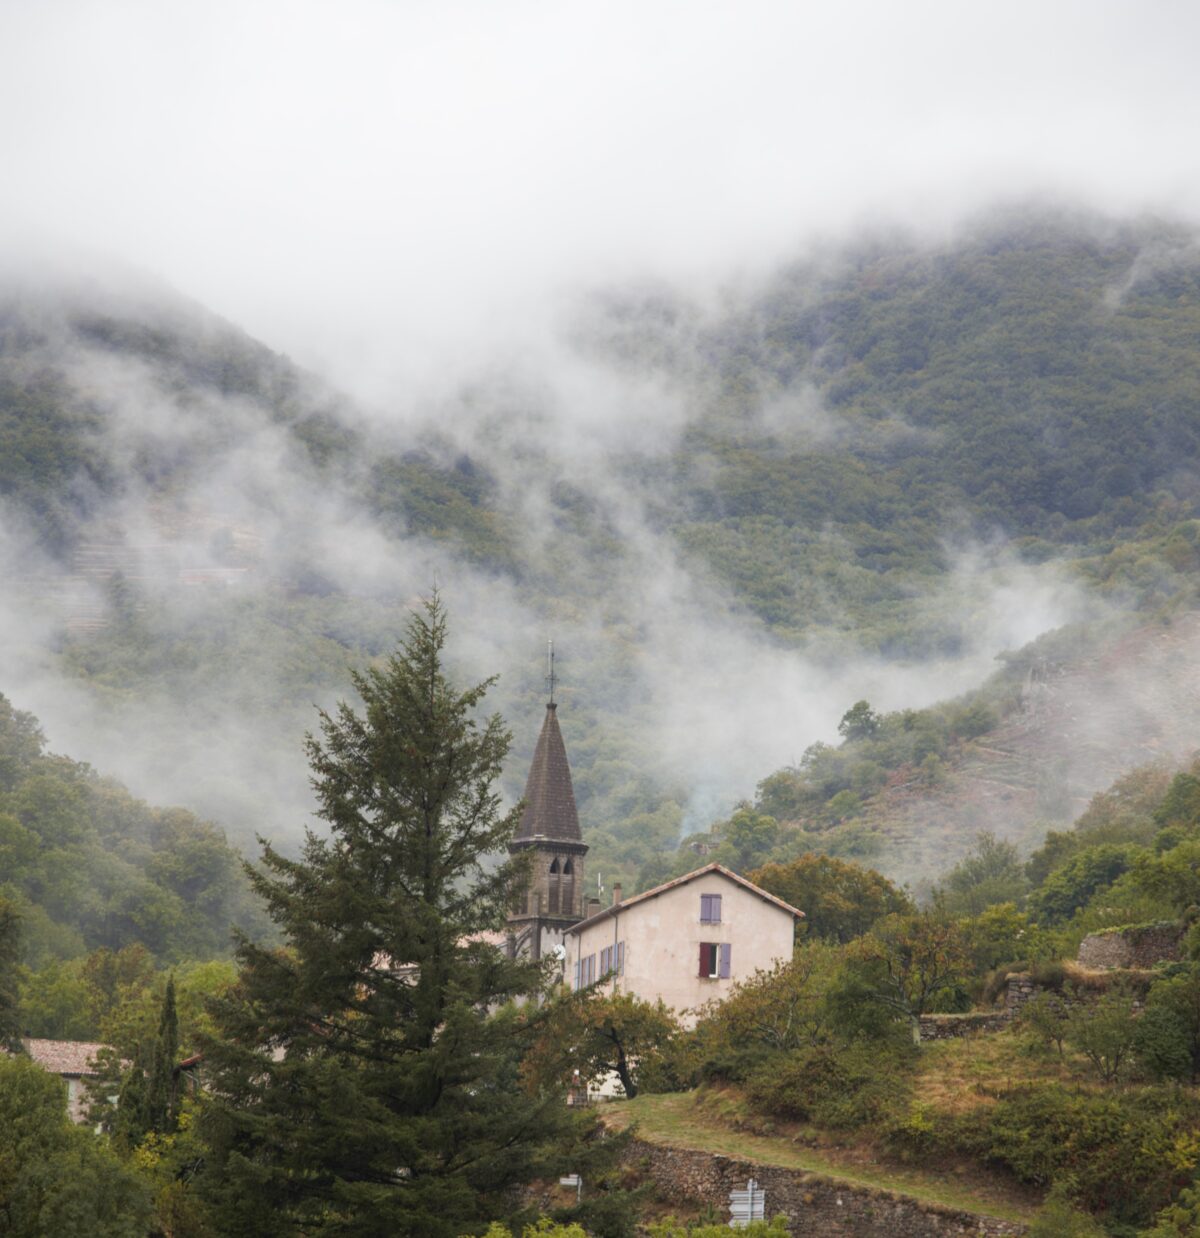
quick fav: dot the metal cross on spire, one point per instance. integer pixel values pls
(551, 678)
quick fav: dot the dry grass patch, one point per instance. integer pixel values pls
(955, 1076)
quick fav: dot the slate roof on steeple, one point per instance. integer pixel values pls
(549, 796)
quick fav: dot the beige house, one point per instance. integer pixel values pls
(687, 942)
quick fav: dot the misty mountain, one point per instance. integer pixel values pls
(864, 475)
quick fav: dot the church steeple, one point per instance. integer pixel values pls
(549, 795)
(554, 897)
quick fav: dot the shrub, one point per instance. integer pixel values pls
(838, 1088)
(1126, 1155)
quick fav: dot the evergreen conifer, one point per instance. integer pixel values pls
(365, 1077)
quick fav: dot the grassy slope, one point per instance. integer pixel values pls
(717, 1121)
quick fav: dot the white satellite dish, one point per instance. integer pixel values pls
(559, 952)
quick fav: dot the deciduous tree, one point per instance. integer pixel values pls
(840, 900)
(597, 1033)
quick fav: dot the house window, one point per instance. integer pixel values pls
(612, 959)
(585, 972)
(710, 909)
(716, 960)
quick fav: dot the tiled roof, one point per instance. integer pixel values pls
(549, 796)
(63, 1057)
(679, 881)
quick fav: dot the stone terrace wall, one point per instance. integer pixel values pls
(812, 1204)
(1141, 945)
(948, 1026)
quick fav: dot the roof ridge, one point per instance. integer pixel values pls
(714, 867)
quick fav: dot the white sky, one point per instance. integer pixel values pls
(386, 188)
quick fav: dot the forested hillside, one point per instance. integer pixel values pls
(882, 465)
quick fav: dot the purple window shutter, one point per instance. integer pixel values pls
(715, 908)
(726, 959)
(704, 959)
(705, 906)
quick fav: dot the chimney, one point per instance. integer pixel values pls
(616, 892)
(593, 907)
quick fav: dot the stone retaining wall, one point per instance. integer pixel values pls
(948, 1026)
(812, 1204)
(1140, 946)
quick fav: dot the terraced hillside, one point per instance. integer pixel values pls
(1082, 723)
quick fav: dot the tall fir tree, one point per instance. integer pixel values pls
(364, 1081)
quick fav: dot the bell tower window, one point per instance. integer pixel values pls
(555, 886)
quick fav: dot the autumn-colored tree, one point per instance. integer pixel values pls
(907, 962)
(596, 1033)
(840, 900)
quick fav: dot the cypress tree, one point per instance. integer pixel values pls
(10, 958)
(364, 1080)
(161, 1101)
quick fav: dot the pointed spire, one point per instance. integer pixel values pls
(549, 796)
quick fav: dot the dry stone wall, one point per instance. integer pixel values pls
(948, 1026)
(811, 1203)
(1139, 946)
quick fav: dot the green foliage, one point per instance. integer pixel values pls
(1121, 1155)
(1169, 1036)
(1171, 876)
(10, 947)
(990, 873)
(860, 721)
(772, 1013)
(57, 1178)
(1181, 804)
(1180, 1219)
(1105, 1032)
(377, 1014)
(1071, 885)
(669, 1227)
(1046, 1021)
(840, 900)
(1160, 1042)
(594, 1032)
(88, 866)
(1000, 934)
(746, 838)
(1059, 1218)
(841, 1087)
(905, 964)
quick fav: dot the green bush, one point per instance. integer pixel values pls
(838, 1088)
(1124, 1155)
